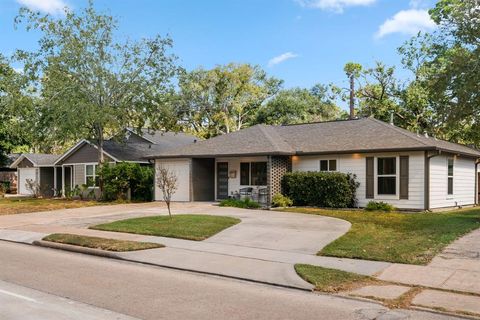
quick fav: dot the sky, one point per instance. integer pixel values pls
(303, 42)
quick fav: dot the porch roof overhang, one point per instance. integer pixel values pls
(323, 152)
(220, 155)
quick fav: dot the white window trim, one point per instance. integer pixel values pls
(451, 196)
(395, 196)
(328, 165)
(94, 164)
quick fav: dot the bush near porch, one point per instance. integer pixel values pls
(320, 189)
(124, 176)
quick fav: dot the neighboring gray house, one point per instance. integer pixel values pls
(394, 165)
(39, 168)
(78, 165)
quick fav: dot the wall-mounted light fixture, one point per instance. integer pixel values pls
(232, 174)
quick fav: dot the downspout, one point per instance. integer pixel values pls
(476, 181)
(427, 179)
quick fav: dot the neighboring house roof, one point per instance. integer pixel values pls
(136, 151)
(37, 159)
(165, 137)
(343, 136)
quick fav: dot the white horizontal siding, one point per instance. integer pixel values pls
(356, 164)
(463, 182)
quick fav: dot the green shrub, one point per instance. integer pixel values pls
(321, 189)
(379, 206)
(118, 179)
(279, 200)
(246, 203)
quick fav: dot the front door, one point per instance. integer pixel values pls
(222, 180)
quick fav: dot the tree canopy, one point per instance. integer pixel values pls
(223, 99)
(91, 84)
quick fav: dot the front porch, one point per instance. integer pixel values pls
(256, 177)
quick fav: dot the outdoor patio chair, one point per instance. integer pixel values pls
(262, 195)
(246, 192)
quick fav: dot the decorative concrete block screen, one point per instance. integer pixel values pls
(277, 167)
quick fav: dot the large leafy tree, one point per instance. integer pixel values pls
(91, 84)
(299, 105)
(223, 99)
(446, 65)
(16, 107)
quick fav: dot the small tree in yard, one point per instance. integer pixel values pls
(168, 183)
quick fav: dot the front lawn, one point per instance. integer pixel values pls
(331, 280)
(413, 238)
(25, 205)
(185, 226)
(100, 243)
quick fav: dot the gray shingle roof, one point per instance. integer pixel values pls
(168, 138)
(42, 159)
(359, 135)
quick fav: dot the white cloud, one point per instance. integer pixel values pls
(407, 22)
(47, 6)
(334, 5)
(281, 58)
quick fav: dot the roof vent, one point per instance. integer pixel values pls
(426, 134)
(194, 140)
(391, 118)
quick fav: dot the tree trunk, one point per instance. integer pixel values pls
(352, 97)
(101, 157)
(168, 207)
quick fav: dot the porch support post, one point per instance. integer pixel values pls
(269, 182)
(63, 181)
(54, 181)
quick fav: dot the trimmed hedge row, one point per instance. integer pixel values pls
(321, 189)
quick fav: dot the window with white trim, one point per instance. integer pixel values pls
(328, 165)
(450, 162)
(91, 177)
(387, 176)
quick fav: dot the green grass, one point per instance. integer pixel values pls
(184, 226)
(413, 238)
(26, 205)
(100, 243)
(331, 280)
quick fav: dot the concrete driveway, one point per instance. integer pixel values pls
(264, 247)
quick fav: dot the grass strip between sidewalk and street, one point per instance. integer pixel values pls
(412, 238)
(332, 280)
(101, 243)
(183, 226)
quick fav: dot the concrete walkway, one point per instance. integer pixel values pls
(264, 247)
(456, 268)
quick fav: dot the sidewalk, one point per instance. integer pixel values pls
(266, 246)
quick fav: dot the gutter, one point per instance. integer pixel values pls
(427, 178)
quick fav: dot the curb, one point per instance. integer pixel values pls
(107, 254)
(77, 249)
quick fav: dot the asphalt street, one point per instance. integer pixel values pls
(39, 283)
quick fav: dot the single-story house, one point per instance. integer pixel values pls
(40, 169)
(393, 165)
(78, 165)
(8, 176)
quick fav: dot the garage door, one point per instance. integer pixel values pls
(181, 168)
(24, 175)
